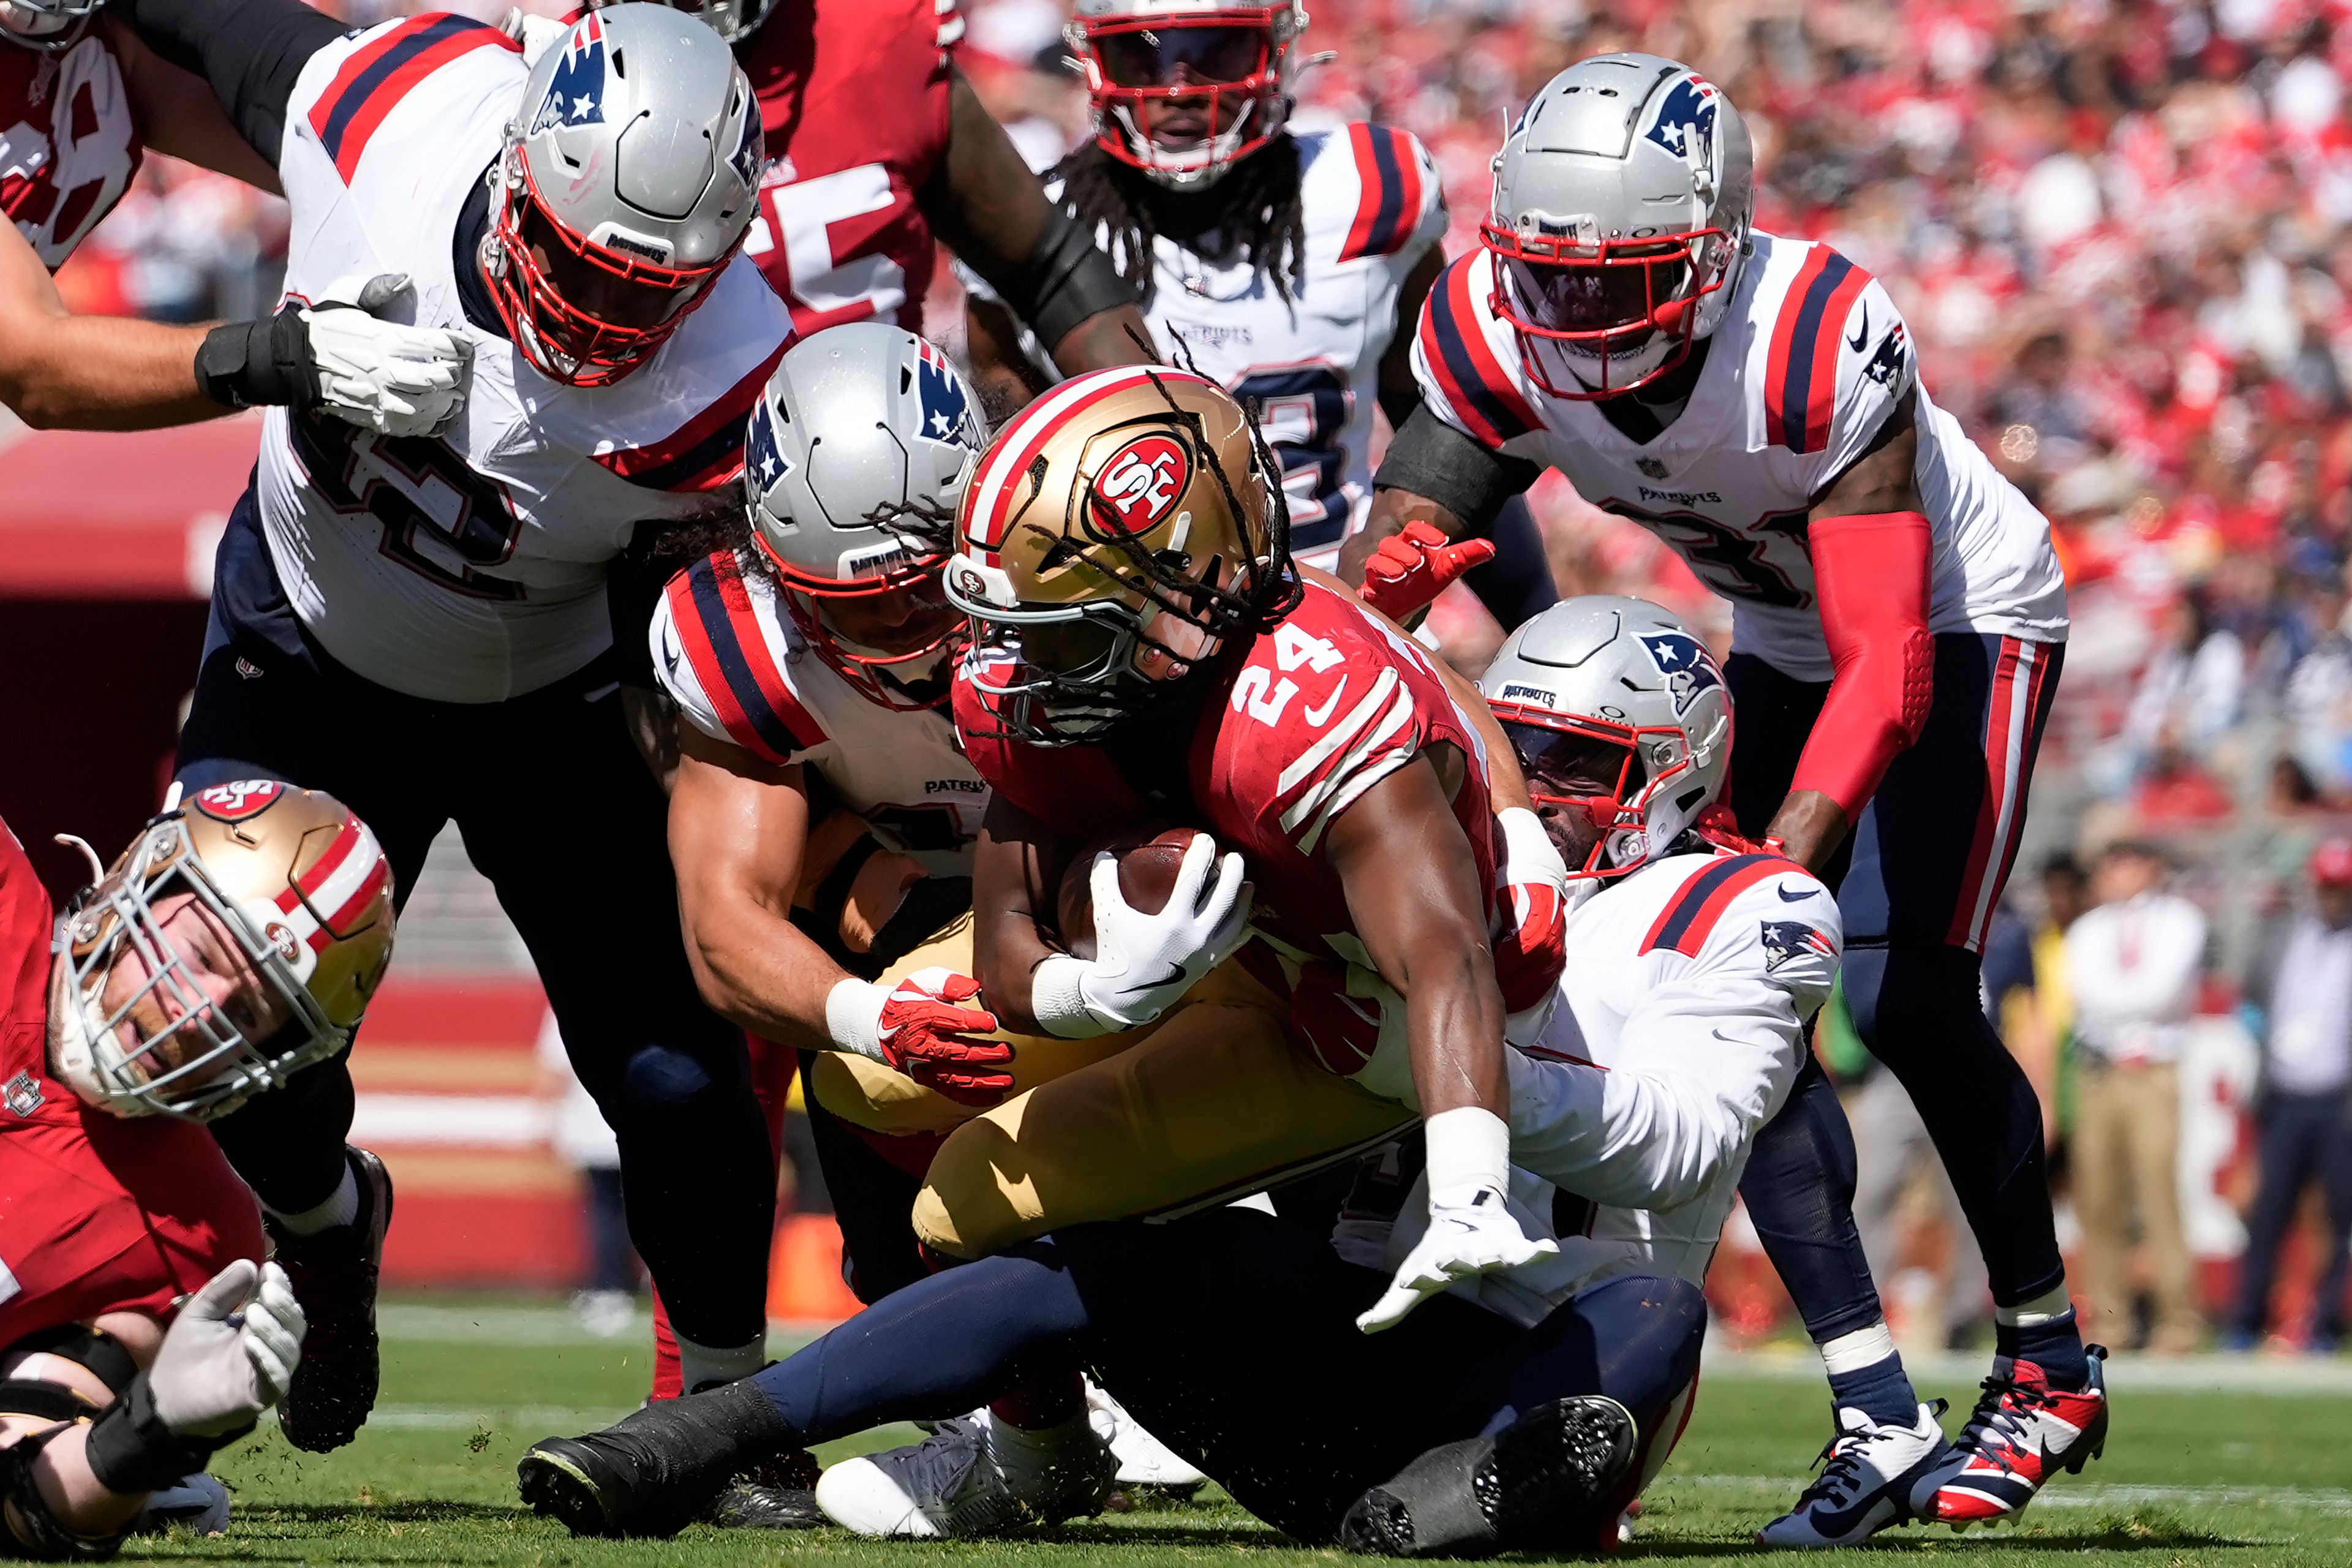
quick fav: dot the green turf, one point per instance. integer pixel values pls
(2189, 1479)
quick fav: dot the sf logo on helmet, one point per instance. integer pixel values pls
(576, 96)
(1686, 122)
(1684, 660)
(1143, 480)
(234, 802)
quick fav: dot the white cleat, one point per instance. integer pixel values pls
(1143, 1459)
(1873, 1477)
(971, 1478)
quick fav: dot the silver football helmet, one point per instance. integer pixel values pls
(733, 20)
(1619, 714)
(857, 457)
(1622, 200)
(631, 175)
(1228, 65)
(47, 24)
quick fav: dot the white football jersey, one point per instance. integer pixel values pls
(1680, 1029)
(730, 656)
(470, 567)
(1810, 359)
(1372, 205)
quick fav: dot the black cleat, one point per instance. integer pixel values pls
(658, 1470)
(778, 1495)
(1546, 1480)
(334, 1277)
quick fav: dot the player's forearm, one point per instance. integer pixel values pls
(1009, 875)
(1635, 1138)
(1454, 1030)
(63, 372)
(1105, 340)
(250, 51)
(760, 971)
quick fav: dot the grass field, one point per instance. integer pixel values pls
(2190, 1476)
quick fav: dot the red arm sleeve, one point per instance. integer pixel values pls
(1870, 572)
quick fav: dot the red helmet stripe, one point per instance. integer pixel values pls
(1018, 444)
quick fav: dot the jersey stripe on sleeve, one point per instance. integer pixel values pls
(705, 452)
(381, 73)
(1801, 377)
(1689, 917)
(1453, 342)
(724, 641)
(1388, 206)
(949, 23)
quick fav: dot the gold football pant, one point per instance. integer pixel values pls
(1212, 1102)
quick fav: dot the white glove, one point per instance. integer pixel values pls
(534, 33)
(1531, 910)
(230, 1353)
(1143, 963)
(1471, 1231)
(381, 375)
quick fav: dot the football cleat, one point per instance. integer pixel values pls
(1872, 1476)
(1143, 1459)
(945, 1487)
(2022, 1432)
(1552, 1477)
(334, 1277)
(660, 1469)
(197, 1500)
(779, 1495)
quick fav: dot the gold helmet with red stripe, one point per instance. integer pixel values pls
(294, 897)
(1122, 529)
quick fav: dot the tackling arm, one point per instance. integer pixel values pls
(63, 372)
(1871, 547)
(1434, 475)
(988, 207)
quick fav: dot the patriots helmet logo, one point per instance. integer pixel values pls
(947, 412)
(751, 152)
(576, 96)
(1686, 122)
(764, 456)
(1788, 939)
(1684, 660)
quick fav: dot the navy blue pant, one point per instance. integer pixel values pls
(2306, 1138)
(1231, 1335)
(562, 815)
(1917, 886)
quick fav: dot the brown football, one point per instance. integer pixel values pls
(1149, 860)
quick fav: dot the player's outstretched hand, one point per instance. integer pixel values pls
(230, 1353)
(919, 1027)
(1409, 569)
(1469, 1234)
(378, 374)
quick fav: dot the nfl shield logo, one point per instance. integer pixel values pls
(23, 1094)
(1651, 466)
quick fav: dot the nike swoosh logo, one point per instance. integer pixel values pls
(1798, 897)
(1175, 973)
(1861, 333)
(1316, 716)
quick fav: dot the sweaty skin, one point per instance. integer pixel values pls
(1809, 823)
(986, 207)
(60, 371)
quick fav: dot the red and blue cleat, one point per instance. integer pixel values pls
(2022, 1432)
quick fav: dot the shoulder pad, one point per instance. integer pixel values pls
(1472, 373)
(381, 67)
(735, 663)
(1836, 344)
(1397, 188)
(1693, 912)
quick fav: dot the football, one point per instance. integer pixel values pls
(1147, 863)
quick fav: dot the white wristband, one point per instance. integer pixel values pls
(1059, 1004)
(853, 1016)
(1469, 1147)
(1526, 848)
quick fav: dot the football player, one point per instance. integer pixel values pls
(1288, 266)
(1898, 624)
(1694, 965)
(81, 99)
(238, 939)
(850, 202)
(422, 625)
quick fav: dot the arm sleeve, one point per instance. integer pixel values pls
(1871, 579)
(1431, 457)
(251, 52)
(1703, 1062)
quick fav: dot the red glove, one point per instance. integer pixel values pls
(917, 1028)
(1720, 828)
(1342, 1031)
(1410, 568)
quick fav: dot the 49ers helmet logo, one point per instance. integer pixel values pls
(236, 802)
(1141, 482)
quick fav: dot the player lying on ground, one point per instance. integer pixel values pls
(1898, 622)
(81, 98)
(1691, 974)
(238, 938)
(446, 600)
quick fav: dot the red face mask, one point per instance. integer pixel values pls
(1604, 300)
(1217, 69)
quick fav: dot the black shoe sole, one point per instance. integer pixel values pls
(1537, 1482)
(749, 1505)
(323, 1431)
(555, 1486)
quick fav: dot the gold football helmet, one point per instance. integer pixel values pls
(300, 886)
(1122, 529)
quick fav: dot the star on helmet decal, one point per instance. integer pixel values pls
(576, 95)
(1684, 660)
(1686, 122)
(763, 455)
(947, 412)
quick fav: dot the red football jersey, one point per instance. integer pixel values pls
(855, 98)
(1324, 707)
(97, 1213)
(68, 144)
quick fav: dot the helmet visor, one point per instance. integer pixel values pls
(1164, 55)
(594, 289)
(1571, 764)
(1619, 295)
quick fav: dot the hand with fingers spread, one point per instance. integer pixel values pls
(1144, 963)
(1471, 1229)
(921, 1028)
(1409, 569)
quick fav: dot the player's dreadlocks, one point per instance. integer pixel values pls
(1254, 212)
